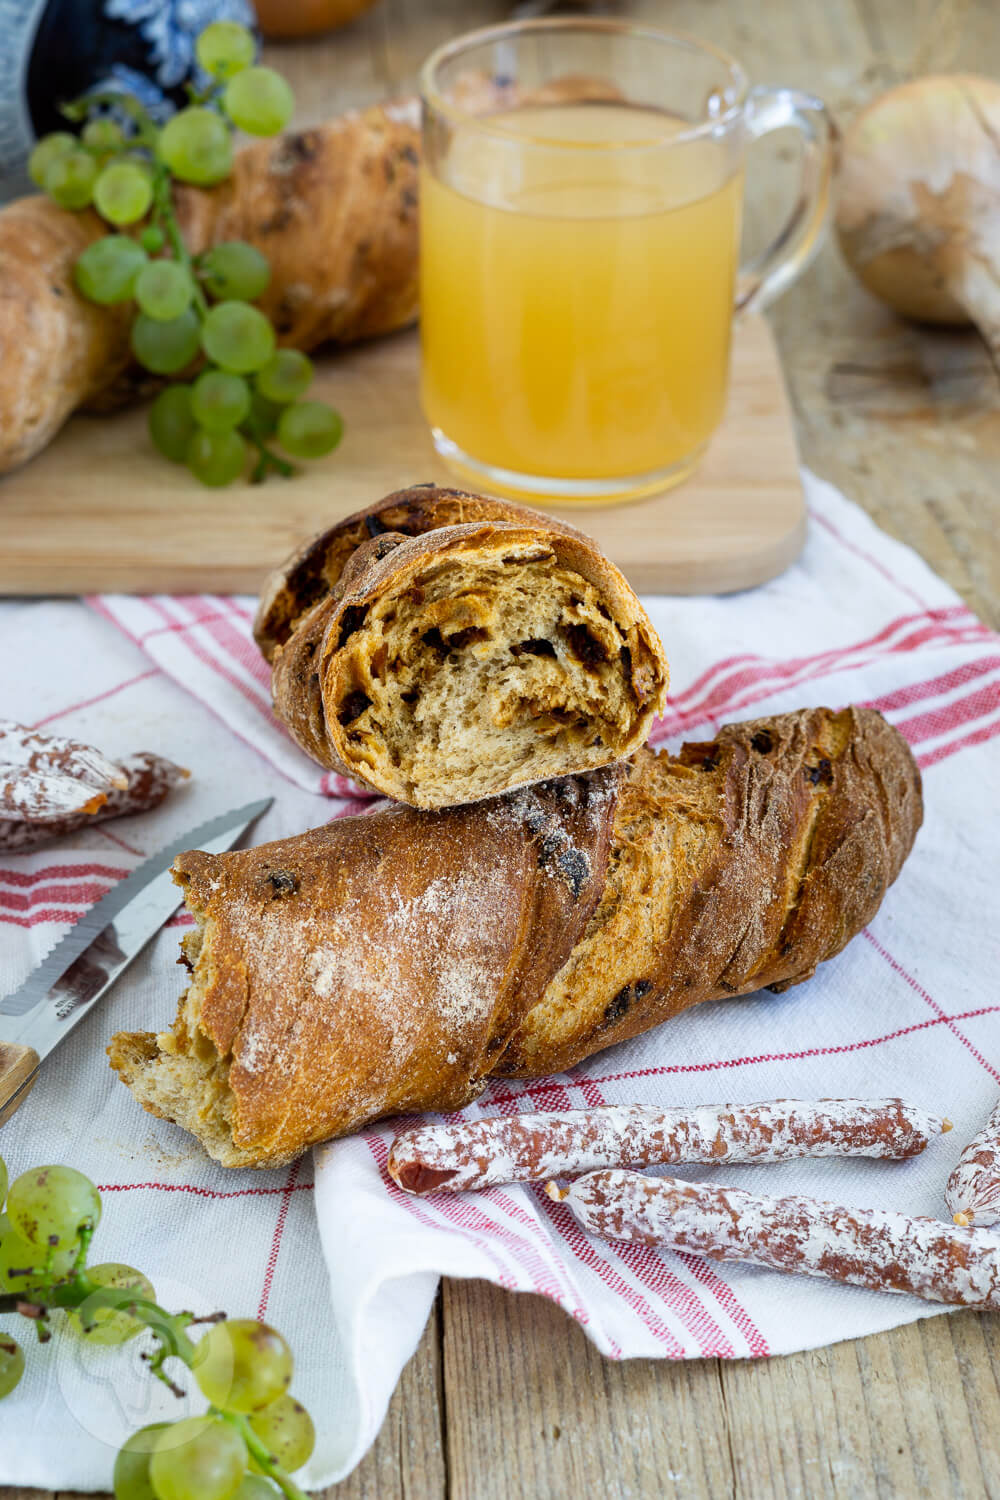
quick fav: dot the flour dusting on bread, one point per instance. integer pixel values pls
(392, 963)
(380, 961)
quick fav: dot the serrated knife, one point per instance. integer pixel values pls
(85, 963)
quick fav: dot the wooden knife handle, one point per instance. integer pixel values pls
(18, 1066)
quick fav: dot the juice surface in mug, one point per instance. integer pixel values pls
(576, 300)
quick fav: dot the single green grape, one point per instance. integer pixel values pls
(102, 134)
(11, 1364)
(3, 1182)
(152, 238)
(242, 1365)
(259, 101)
(237, 337)
(256, 1487)
(216, 458)
(165, 348)
(131, 1479)
(199, 1458)
(123, 193)
(22, 1266)
(45, 153)
(235, 271)
(196, 145)
(164, 290)
(106, 271)
(263, 417)
(171, 423)
(309, 429)
(104, 1325)
(224, 48)
(219, 400)
(49, 1205)
(286, 377)
(70, 178)
(286, 1430)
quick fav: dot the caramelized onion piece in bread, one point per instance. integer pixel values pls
(470, 660)
(392, 963)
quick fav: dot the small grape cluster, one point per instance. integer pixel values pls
(254, 1435)
(191, 308)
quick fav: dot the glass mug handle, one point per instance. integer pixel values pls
(776, 267)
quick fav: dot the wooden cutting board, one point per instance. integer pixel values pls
(99, 510)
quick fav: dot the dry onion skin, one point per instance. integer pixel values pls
(918, 212)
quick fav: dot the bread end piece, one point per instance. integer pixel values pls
(178, 1075)
(314, 570)
(469, 662)
(178, 1087)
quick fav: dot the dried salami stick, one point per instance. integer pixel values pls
(41, 797)
(530, 1148)
(149, 779)
(973, 1191)
(872, 1247)
(35, 751)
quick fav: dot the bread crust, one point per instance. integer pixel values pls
(420, 939)
(324, 661)
(802, 823)
(314, 569)
(333, 207)
(737, 865)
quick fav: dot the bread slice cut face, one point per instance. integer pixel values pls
(471, 661)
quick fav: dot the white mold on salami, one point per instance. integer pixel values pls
(973, 1190)
(529, 1148)
(869, 1247)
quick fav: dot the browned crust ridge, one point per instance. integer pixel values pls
(771, 846)
(313, 605)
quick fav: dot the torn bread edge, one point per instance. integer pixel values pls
(179, 1074)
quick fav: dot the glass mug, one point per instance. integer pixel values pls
(581, 199)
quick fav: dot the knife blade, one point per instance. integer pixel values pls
(85, 963)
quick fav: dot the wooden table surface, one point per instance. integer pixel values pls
(505, 1397)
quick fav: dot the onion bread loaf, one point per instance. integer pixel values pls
(467, 661)
(394, 962)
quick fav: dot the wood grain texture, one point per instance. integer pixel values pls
(585, 1426)
(408, 1460)
(17, 1068)
(906, 422)
(100, 509)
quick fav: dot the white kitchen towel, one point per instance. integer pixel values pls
(907, 1009)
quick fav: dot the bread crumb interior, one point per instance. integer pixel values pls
(488, 675)
(658, 814)
(178, 1074)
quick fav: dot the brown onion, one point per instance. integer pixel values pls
(918, 213)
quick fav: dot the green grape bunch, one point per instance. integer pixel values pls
(194, 315)
(255, 1434)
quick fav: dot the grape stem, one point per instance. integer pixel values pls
(167, 219)
(169, 1329)
(209, 95)
(258, 1452)
(164, 216)
(163, 202)
(79, 109)
(267, 460)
